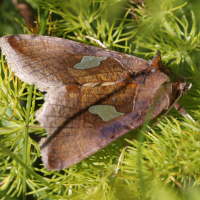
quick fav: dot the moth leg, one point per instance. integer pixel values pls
(95, 40)
(182, 111)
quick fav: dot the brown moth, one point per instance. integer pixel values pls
(94, 95)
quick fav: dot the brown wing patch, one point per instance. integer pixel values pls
(74, 132)
(48, 61)
(115, 80)
(81, 133)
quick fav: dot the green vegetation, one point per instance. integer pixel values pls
(166, 164)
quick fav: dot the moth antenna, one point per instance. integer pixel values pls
(176, 105)
(95, 40)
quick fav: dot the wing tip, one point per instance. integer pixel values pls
(15, 66)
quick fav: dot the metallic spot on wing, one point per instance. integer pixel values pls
(88, 62)
(106, 112)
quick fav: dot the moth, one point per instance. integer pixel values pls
(94, 95)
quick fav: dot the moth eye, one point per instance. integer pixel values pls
(153, 69)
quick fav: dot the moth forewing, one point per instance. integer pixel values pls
(128, 103)
(94, 95)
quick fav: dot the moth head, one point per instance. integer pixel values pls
(182, 86)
